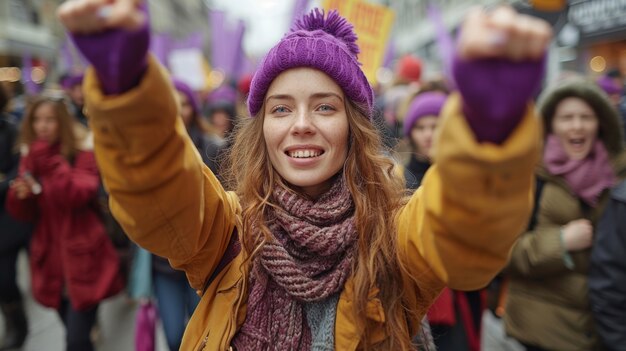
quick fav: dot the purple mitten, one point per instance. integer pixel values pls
(119, 56)
(496, 93)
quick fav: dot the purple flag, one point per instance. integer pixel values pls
(390, 53)
(27, 67)
(227, 44)
(298, 9)
(192, 41)
(445, 43)
(237, 50)
(219, 41)
(74, 61)
(160, 46)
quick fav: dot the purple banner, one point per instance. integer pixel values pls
(30, 86)
(227, 53)
(445, 43)
(390, 54)
(299, 9)
(160, 46)
(219, 41)
(73, 60)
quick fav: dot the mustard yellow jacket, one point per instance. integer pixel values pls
(457, 230)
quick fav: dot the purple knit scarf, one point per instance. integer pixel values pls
(587, 177)
(309, 260)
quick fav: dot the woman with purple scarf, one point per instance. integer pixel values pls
(548, 303)
(317, 247)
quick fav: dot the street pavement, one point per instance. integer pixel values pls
(116, 320)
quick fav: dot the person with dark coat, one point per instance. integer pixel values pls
(14, 236)
(73, 263)
(607, 272)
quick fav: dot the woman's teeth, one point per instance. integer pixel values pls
(304, 153)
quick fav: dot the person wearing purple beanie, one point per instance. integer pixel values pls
(419, 127)
(316, 247)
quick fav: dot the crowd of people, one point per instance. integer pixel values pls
(329, 215)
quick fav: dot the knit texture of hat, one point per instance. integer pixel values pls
(324, 43)
(425, 104)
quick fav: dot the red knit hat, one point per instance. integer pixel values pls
(243, 85)
(410, 68)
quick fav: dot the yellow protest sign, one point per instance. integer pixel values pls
(372, 24)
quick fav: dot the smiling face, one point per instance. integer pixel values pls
(422, 135)
(306, 129)
(46, 123)
(575, 124)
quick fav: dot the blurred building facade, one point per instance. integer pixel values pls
(30, 31)
(590, 34)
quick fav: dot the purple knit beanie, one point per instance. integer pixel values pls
(225, 94)
(327, 44)
(425, 104)
(182, 87)
(71, 80)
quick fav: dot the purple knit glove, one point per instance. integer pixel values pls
(496, 93)
(119, 56)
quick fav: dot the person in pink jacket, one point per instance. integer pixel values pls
(73, 263)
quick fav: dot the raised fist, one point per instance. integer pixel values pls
(93, 16)
(503, 33)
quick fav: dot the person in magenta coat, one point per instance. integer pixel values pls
(73, 263)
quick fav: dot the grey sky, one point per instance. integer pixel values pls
(267, 20)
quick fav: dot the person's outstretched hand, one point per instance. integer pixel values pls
(113, 35)
(498, 67)
(93, 16)
(503, 33)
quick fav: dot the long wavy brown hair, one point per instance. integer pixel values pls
(67, 138)
(378, 193)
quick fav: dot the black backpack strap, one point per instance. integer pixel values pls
(539, 183)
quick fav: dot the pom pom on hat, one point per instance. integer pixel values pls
(334, 25)
(326, 43)
(425, 104)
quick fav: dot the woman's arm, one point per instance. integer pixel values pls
(538, 254)
(458, 229)
(160, 192)
(71, 185)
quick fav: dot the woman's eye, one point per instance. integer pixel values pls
(280, 109)
(325, 108)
